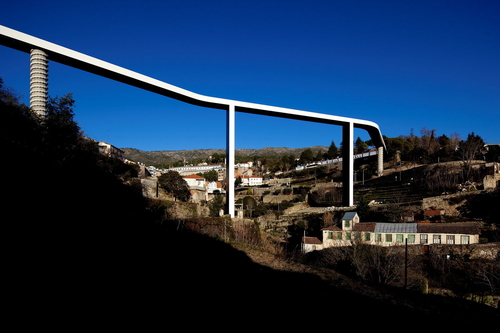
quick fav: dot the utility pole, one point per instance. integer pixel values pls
(406, 263)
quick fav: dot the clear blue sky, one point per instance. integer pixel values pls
(401, 64)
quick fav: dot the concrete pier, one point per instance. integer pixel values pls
(38, 82)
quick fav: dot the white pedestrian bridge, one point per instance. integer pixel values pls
(39, 48)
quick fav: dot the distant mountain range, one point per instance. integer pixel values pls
(166, 156)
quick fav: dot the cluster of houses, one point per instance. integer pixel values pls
(203, 190)
(391, 234)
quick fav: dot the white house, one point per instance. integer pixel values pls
(110, 150)
(388, 234)
(311, 244)
(250, 180)
(254, 181)
(195, 182)
(215, 186)
(197, 187)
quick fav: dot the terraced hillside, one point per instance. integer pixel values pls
(390, 193)
(396, 186)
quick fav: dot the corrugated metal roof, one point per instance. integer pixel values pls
(406, 228)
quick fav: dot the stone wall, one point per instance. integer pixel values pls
(277, 198)
(447, 203)
(149, 189)
(180, 210)
(491, 181)
(177, 209)
(474, 251)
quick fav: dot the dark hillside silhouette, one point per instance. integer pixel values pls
(83, 251)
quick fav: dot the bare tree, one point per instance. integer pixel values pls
(469, 150)
(488, 276)
(440, 178)
(385, 265)
(379, 264)
(428, 141)
(328, 219)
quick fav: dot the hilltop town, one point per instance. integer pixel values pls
(282, 175)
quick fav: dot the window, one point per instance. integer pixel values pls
(450, 239)
(367, 236)
(388, 237)
(436, 239)
(411, 239)
(339, 235)
(347, 224)
(465, 239)
(330, 234)
(348, 236)
(378, 238)
(399, 238)
(424, 239)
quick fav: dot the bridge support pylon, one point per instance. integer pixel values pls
(230, 152)
(380, 164)
(38, 82)
(347, 164)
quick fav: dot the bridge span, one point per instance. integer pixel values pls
(41, 51)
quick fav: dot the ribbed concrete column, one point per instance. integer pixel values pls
(38, 82)
(347, 164)
(380, 170)
(230, 146)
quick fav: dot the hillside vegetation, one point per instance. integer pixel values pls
(85, 250)
(170, 156)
